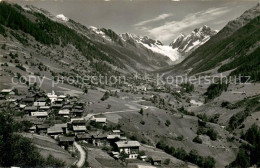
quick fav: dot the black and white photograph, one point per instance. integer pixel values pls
(130, 83)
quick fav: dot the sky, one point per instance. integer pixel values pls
(162, 20)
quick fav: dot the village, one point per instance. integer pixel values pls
(64, 119)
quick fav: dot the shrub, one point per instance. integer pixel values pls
(167, 123)
(197, 140)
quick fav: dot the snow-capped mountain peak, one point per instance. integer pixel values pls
(153, 45)
(188, 43)
(62, 17)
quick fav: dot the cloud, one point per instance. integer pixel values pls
(160, 17)
(168, 30)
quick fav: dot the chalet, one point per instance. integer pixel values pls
(57, 129)
(77, 112)
(52, 96)
(99, 140)
(56, 106)
(64, 127)
(101, 121)
(115, 154)
(123, 138)
(156, 161)
(78, 107)
(79, 125)
(78, 121)
(32, 129)
(28, 100)
(113, 138)
(22, 106)
(86, 137)
(42, 128)
(42, 99)
(64, 141)
(64, 112)
(30, 109)
(59, 101)
(131, 148)
(7, 92)
(68, 106)
(39, 114)
(116, 132)
(61, 97)
(11, 100)
(44, 108)
(143, 158)
(78, 128)
(39, 104)
(54, 131)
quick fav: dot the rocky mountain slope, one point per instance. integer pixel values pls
(187, 43)
(107, 46)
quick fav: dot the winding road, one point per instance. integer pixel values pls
(82, 158)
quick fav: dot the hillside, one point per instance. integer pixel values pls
(235, 46)
(93, 44)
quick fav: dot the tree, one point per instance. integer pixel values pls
(85, 89)
(122, 157)
(166, 161)
(108, 106)
(209, 162)
(197, 140)
(17, 150)
(105, 96)
(141, 111)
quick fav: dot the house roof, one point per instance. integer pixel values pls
(100, 120)
(99, 136)
(116, 131)
(78, 107)
(54, 129)
(44, 107)
(56, 105)
(79, 128)
(80, 121)
(113, 136)
(62, 96)
(6, 90)
(39, 114)
(42, 126)
(42, 99)
(66, 139)
(64, 125)
(76, 111)
(83, 136)
(28, 99)
(30, 108)
(39, 103)
(68, 106)
(124, 144)
(64, 112)
(22, 105)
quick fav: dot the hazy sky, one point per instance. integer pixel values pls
(163, 20)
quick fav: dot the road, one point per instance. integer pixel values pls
(82, 158)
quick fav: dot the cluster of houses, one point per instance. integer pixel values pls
(38, 106)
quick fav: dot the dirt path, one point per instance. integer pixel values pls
(82, 158)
